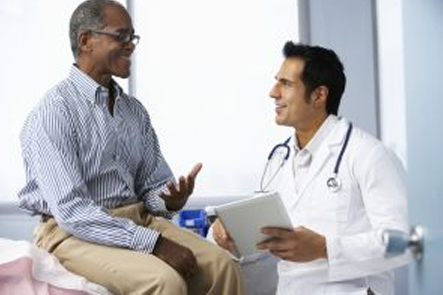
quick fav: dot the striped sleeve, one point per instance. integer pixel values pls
(153, 172)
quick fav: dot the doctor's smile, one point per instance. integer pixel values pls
(279, 108)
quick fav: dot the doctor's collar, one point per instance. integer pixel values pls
(321, 134)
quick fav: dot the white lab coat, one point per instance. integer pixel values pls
(373, 198)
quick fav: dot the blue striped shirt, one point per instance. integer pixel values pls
(81, 161)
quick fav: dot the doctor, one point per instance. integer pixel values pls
(341, 186)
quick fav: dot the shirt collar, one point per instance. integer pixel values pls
(90, 89)
(315, 142)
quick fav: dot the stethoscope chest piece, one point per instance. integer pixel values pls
(333, 183)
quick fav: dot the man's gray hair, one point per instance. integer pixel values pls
(87, 16)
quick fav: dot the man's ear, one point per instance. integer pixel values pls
(319, 96)
(85, 42)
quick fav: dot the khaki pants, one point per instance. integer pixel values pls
(128, 272)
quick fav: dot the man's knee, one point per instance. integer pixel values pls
(169, 282)
(225, 276)
(225, 263)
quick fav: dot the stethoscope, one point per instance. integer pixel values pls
(333, 183)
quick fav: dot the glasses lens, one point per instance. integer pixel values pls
(135, 39)
(121, 37)
(125, 38)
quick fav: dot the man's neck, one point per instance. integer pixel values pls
(90, 69)
(304, 135)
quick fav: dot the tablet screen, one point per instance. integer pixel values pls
(244, 219)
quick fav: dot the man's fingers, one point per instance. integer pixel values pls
(191, 183)
(221, 237)
(191, 177)
(172, 188)
(276, 231)
(194, 172)
(190, 267)
(219, 229)
(182, 185)
(273, 244)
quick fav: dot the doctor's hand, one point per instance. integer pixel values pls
(222, 237)
(178, 194)
(299, 244)
(178, 257)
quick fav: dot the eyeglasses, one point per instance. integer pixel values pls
(120, 36)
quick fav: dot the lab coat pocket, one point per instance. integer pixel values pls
(331, 206)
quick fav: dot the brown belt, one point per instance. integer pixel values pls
(45, 217)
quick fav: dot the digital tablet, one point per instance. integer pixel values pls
(244, 219)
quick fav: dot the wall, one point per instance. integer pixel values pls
(348, 27)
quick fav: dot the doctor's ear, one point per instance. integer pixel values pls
(319, 96)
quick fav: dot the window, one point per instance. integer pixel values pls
(204, 70)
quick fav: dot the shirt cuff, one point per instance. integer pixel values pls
(156, 205)
(144, 239)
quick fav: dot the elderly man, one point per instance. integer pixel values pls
(96, 175)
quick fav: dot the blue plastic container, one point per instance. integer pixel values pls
(194, 220)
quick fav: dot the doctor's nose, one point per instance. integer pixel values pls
(274, 93)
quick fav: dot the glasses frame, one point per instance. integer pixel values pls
(120, 37)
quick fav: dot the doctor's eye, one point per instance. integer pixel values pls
(286, 83)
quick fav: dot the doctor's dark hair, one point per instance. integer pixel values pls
(322, 67)
(87, 16)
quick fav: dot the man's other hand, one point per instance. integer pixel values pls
(178, 257)
(178, 194)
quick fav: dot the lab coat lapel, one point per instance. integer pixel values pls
(329, 148)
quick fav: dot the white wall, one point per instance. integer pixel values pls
(204, 70)
(35, 55)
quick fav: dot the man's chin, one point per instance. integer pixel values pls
(279, 121)
(123, 75)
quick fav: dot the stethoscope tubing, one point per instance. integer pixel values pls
(285, 145)
(343, 149)
(333, 183)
